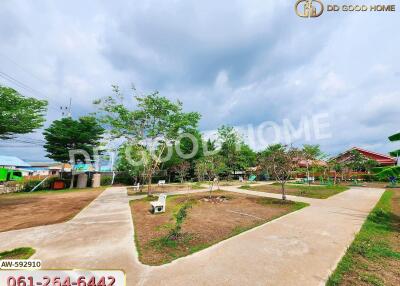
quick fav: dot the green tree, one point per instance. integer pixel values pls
(281, 162)
(356, 161)
(67, 134)
(19, 114)
(235, 153)
(210, 167)
(128, 155)
(156, 123)
(311, 154)
(186, 147)
(182, 169)
(337, 167)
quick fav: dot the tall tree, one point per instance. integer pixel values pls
(337, 167)
(186, 146)
(182, 169)
(311, 154)
(210, 167)
(19, 114)
(235, 153)
(281, 162)
(156, 123)
(67, 134)
(136, 153)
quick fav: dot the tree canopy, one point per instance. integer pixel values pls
(235, 153)
(69, 134)
(156, 123)
(280, 161)
(19, 114)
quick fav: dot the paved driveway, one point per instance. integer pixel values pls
(298, 249)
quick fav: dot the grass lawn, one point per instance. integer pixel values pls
(17, 253)
(208, 222)
(374, 256)
(316, 192)
(23, 210)
(155, 189)
(235, 183)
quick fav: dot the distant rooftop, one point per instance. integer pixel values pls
(44, 164)
(12, 161)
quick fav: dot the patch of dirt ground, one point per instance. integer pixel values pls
(208, 222)
(18, 211)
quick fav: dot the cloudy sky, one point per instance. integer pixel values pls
(236, 62)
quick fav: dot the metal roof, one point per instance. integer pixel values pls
(12, 161)
(44, 164)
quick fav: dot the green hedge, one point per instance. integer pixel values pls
(46, 185)
(105, 180)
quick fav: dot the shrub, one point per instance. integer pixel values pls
(180, 217)
(368, 177)
(29, 185)
(46, 185)
(124, 179)
(105, 180)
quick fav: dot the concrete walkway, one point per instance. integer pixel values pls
(99, 237)
(298, 249)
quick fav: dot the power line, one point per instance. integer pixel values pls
(26, 142)
(32, 139)
(21, 67)
(21, 84)
(29, 88)
(24, 86)
(20, 146)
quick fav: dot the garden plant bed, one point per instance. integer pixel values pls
(374, 256)
(207, 222)
(23, 210)
(316, 192)
(17, 253)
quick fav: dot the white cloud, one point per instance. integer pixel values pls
(236, 62)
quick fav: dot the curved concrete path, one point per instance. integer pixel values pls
(298, 249)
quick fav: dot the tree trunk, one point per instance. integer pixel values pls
(308, 175)
(283, 191)
(149, 177)
(211, 186)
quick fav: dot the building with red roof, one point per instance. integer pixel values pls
(381, 159)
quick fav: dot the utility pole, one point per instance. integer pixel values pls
(66, 111)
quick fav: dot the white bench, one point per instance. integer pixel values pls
(159, 205)
(161, 182)
(310, 179)
(137, 187)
